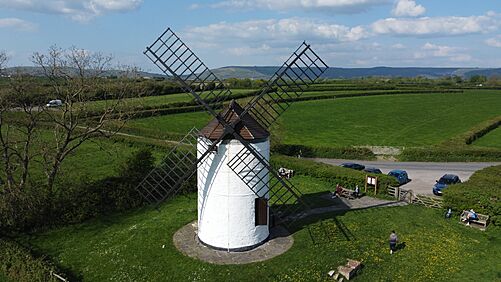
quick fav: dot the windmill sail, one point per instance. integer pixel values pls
(176, 167)
(302, 69)
(174, 58)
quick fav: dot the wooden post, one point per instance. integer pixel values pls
(366, 180)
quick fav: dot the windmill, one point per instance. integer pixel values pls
(239, 193)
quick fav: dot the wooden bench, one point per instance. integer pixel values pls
(480, 223)
(346, 193)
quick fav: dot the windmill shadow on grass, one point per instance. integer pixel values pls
(323, 227)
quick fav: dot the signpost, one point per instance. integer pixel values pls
(371, 181)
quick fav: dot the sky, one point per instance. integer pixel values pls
(345, 33)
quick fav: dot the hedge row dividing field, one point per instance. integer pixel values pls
(491, 139)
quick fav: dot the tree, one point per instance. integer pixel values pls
(478, 79)
(31, 132)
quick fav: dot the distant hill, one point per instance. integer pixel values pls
(265, 72)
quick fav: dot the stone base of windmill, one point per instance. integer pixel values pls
(186, 241)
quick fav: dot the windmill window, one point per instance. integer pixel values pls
(261, 210)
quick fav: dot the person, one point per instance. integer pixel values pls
(339, 189)
(472, 215)
(448, 214)
(334, 194)
(393, 242)
(357, 192)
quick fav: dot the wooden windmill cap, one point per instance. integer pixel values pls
(247, 127)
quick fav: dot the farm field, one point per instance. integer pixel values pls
(128, 247)
(397, 120)
(157, 101)
(491, 139)
(405, 120)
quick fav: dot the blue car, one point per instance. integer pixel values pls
(400, 175)
(353, 166)
(444, 181)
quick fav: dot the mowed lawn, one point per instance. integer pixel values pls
(491, 139)
(137, 246)
(396, 120)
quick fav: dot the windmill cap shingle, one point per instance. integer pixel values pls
(247, 127)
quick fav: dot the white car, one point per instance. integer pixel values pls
(54, 103)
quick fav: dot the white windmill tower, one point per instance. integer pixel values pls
(239, 194)
(230, 215)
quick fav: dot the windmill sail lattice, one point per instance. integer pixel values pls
(302, 68)
(174, 58)
(177, 166)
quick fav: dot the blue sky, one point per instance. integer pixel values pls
(347, 33)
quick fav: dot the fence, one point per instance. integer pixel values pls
(411, 198)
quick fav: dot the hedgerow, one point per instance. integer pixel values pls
(323, 152)
(337, 175)
(482, 192)
(18, 263)
(458, 148)
(76, 200)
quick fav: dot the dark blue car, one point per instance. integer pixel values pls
(353, 166)
(443, 182)
(400, 175)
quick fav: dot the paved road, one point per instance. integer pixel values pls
(423, 174)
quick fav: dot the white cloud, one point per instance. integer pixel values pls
(437, 26)
(246, 50)
(347, 6)
(453, 54)
(277, 30)
(79, 10)
(17, 24)
(407, 8)
(494, 42)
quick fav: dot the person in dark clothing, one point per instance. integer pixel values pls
(448, 214)
(393, 242)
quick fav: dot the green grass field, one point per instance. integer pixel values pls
(128, 247)
(396, 120)
(155, 101)
(399, 120)
(491, 139)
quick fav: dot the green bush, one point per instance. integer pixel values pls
(345, 177)
(76, 200)
(19, 264)
(323, 152)
(482, 192)
(450, 154)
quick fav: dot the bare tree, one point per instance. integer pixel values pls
(73, 76)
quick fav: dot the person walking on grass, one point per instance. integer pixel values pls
(393, 242)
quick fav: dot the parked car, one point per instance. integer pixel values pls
(401, 176)
(373, 170)
(54, 103)
(443, 182)
(353, 166)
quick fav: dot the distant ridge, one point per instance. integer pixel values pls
(265, 72)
